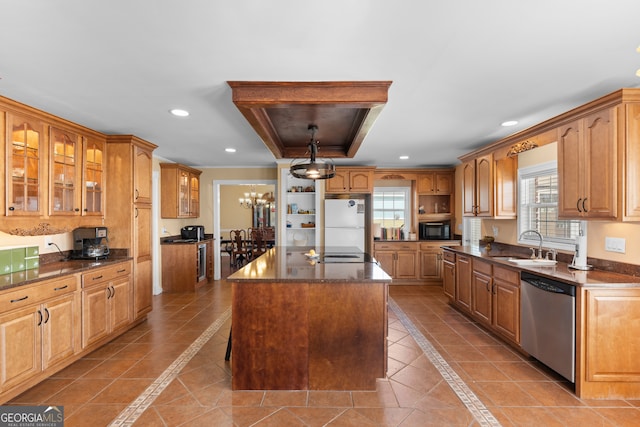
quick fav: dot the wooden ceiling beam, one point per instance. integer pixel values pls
(280, 113)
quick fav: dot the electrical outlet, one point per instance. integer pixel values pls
(615, 244)
(164, 230)
(48, 240)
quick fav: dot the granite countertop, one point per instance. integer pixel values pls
(560, 271)
(55, 269)
(290, 264)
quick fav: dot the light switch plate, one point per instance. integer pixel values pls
(615, 244)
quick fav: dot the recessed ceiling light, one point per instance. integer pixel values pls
(510, 123)
(404, 157)
(180, 113)
(230, 150)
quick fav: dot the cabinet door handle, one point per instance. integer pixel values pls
(578, 205)
(11, 208)
(97, 277)
(20, 299)
(46, 310)
(584, 209)
(61, 288)
(137, 195)
(40, 321)
(136, 215)
(113, 291)
(122, 271)
(108, 291)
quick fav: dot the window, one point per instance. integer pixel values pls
(471, 230)
(392, 211)
(538, 208)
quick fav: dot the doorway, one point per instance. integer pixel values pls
(221, 196)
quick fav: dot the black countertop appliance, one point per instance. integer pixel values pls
(90, 243)
(192, 232)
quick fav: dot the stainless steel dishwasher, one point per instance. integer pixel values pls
(548, 322)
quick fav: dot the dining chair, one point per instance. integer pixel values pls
(258, 243)
(270, 236)
(240, 251)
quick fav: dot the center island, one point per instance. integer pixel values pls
(309, 323)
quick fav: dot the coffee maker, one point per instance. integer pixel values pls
(90, 243)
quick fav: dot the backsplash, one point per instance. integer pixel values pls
(13, 260)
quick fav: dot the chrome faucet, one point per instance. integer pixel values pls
(539, 246)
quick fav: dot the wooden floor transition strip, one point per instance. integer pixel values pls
(131, 413)
(483, 416)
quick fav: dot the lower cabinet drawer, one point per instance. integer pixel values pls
(105, 274)
(34, 294)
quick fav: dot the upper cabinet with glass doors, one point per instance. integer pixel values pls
(93, 158)
(65, 172)
(25, 175)
(180, 191)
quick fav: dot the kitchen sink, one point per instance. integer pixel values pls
(535, 262)
(527, 262)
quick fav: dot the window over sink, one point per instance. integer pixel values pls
(538, 208)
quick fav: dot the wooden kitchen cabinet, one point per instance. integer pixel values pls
(93, 160)
(587, 167)
(181, 266)
(65, 166)
(351, 180)
(39, 328)
(506, 303)
(505, 196)
(477, 187)
(143, 267)
(481, 290)
(608, 359)
(26, 167)
(463, 282)
(129, 179)
(449, 274)
(435, 183)
(106, 302)
(490, 187)
(55, 169)
(180, 191)
(430, 261)
(398, 259)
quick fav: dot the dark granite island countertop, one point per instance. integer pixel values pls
(286, 264)
(301, 323)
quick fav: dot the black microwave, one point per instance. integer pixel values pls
(440, 230)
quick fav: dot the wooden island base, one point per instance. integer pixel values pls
(307, 334)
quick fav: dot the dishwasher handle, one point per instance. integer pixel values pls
(548, 285)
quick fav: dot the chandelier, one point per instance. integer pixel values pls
(251, 199)
(313, 168)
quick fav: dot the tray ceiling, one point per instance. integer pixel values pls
(281, 112)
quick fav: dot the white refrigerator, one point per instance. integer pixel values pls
(344, 223)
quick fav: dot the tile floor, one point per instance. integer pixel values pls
(443, 371)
